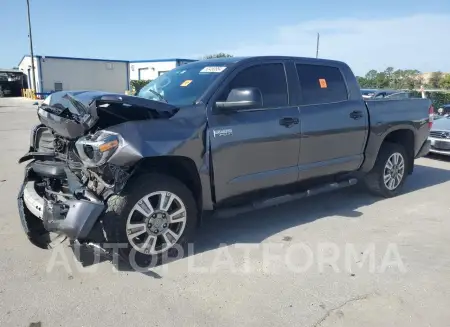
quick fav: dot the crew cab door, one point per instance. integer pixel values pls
(334, 122)
(254, 149)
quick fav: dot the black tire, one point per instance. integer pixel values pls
(120, 206)
(374, 180)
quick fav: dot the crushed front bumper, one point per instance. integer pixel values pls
(74, 218)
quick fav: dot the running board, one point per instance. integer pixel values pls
(228, 212)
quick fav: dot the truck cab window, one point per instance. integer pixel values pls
(270, 79)
(321, 84)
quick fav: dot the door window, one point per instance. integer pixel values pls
(270, 79)
(321, 84)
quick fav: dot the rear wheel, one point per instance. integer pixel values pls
(155, 214)
(389, 172)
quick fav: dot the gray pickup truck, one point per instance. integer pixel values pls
(220, 137)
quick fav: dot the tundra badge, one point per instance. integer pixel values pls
(223, 132)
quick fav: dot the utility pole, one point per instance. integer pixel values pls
(317, 45)
(31, 48)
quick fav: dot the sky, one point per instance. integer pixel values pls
(404, 34)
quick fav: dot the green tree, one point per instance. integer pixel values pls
(382, 80)
(388, 73)
(444, 83)
(369, 80)
(217, 55)
(435, 79)
(137, 85)
(371, 75)
(391, 78)
(405, 79)
(415, 79)
(363, 82)
(397, 79)
(418, 82)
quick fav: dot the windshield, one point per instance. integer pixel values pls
(182, 86)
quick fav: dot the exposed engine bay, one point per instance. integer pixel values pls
(73, 132)
(102, 180)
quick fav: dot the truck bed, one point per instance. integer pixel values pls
(386, 116)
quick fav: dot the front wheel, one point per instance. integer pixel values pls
(154, 214)
(389, 172)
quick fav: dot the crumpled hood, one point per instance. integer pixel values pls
(71, 114)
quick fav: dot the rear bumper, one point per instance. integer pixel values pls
(74, 218)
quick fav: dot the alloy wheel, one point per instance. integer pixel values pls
(156, 222)
(394, 170)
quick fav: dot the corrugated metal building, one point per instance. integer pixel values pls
(67, 73)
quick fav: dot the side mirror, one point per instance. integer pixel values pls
(242, 98)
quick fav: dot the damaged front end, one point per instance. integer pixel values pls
(52, 202)
(77, 164)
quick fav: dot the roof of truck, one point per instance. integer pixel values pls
(238, 59)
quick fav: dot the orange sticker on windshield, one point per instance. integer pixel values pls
(186, 82)
(323, 83)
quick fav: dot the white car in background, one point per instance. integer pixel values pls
(381, 94)
(368, 93)
(440, 136)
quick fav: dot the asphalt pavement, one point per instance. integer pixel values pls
(339, 259)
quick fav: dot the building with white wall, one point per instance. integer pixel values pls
(67, 73)
(151, 69)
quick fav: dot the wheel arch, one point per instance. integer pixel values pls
(403, 135)
(179, 167)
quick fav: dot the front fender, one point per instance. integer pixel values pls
(182, 136)
(155, 138)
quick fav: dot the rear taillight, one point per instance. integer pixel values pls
(430, 116)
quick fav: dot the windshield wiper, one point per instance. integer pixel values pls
(158, 95)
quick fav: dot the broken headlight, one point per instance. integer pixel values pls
(95, 150)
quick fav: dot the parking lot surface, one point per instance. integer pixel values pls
(339, 259)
